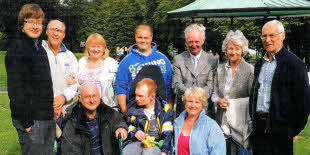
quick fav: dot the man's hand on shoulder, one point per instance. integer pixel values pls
(59, 101)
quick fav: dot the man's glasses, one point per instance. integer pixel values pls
(54, 30)
(271, 36)
(33, 23)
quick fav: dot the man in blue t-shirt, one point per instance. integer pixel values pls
(144, 52)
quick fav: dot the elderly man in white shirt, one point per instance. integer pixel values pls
(63, 66)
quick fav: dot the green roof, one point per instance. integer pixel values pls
(233, 8)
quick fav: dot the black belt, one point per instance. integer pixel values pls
(262, 115)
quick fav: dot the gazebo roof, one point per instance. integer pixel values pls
(239, 8)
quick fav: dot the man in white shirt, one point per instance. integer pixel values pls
(64, 67)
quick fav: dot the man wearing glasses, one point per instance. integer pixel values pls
(280, 95)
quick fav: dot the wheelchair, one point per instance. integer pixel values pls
(153, 72)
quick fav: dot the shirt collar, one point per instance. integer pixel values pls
(267, 59)
(195, 57)
(63, 48)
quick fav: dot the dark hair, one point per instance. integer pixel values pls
(29, 11)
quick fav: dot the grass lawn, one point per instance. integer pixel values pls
(302, 145)
(9, 140)
(2, 71)
(8, 135)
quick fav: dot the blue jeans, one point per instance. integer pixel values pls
(39, 140)
(242, 151)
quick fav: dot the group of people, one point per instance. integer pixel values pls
(257, 109)
(121, 53)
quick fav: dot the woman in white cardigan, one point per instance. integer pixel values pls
(233, 80)
(98, 66)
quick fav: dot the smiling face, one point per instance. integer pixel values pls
(33, 27)
(55, 33)
(193, 105)
(144, 38)
(95, 51)
(194, 42)
(234, 53)
(90, 96)
(272, 39)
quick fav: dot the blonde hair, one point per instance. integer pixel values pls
(197, 91)
(96, 38)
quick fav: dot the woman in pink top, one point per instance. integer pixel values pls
(194, 131)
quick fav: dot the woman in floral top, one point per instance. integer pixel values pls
(98, 66)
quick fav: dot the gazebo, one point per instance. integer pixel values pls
(242, 8)
(239, 9)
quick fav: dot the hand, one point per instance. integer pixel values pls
(59, 101)
(163, 153)
(140, 135)
(71, 80)
(115, 109)
(28, 129)
(223, 103)
(123, 133)
(56, 114)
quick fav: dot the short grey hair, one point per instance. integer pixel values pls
(54, 20)
(96, 83)
(197, 27)
(279, 24)
(238, 39)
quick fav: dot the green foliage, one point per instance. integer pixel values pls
(78, 56)
(114, 19)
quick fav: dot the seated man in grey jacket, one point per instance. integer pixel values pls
(92, 126)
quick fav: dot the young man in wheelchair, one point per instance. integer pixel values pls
(149, 117)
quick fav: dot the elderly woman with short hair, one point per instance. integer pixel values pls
(194, 131)
(232, 85)
(98, 66)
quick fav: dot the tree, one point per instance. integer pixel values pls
(114, 19)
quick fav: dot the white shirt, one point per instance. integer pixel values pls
(62, 66)
(105, 75)
(195, 59)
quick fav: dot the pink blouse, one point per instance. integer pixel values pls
(183, 145)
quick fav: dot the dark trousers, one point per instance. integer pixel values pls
(231, 147)
(40, 140)
(268, 143)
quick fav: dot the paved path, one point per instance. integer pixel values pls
(3, 90)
